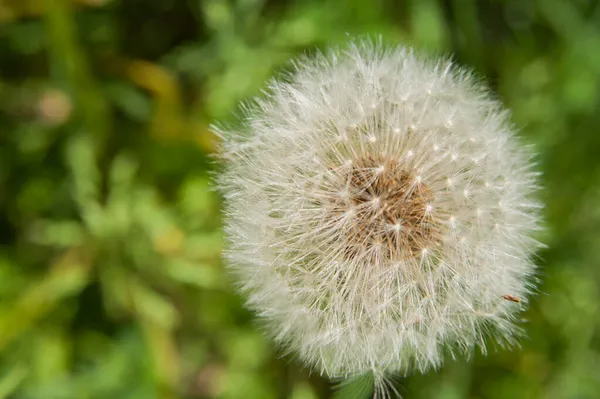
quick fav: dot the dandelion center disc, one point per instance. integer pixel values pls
(392, 209)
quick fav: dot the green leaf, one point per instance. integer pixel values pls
(198, 274)
(11, 381)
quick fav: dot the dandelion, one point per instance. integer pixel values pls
(379, 212)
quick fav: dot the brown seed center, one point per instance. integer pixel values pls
(391, 209)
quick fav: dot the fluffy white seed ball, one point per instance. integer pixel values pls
(379, 212)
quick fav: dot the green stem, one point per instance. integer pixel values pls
(70, 66)
(357, 387)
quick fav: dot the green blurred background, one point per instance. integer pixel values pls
(110, 280)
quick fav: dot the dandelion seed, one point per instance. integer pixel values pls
(381, 278)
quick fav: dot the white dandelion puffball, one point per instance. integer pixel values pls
(379, 212)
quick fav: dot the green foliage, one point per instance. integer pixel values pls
(111, 284)
(359, 387)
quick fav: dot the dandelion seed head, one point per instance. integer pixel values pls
(360, 229)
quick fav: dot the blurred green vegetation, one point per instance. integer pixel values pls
(110, 280)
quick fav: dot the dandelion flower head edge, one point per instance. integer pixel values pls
(380, 211)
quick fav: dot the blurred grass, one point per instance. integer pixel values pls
(110, 278)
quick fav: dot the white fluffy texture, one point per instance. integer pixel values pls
(313, 253)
